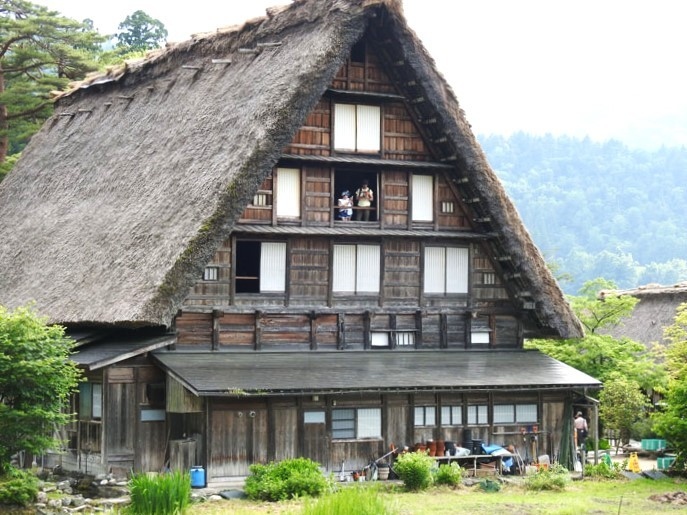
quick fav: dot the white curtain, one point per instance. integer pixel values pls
(423, 198)
(344, 127)
(273, 267)
(288, 192)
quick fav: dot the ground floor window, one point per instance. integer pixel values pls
(451, 415)
(425, 416)
(90, 401)
(349, 423)
(478, 414)
(515, 413)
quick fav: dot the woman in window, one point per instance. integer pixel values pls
(364, 198)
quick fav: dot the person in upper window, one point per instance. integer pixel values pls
(364, 198)
(345, 204)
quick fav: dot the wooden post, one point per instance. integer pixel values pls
(341, 331)
(443, 331)
(418, 329)
(216, 315)
(367, 316)
(392, 334)
(258, 329)
(313, 330)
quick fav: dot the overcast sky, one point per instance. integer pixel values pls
(599, 68)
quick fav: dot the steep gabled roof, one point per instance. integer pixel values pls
(654, 312)
(122, 198)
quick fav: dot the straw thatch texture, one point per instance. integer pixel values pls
(124, 195)
(654, 312)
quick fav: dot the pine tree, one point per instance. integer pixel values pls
(40, 52)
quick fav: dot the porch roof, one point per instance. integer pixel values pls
(289, 373)
(114, 349)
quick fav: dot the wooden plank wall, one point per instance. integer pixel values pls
(314, 137)
(312, 330)
(318, 196)
(309, 271)
(402, 140)
(245, 432)
(309, 278)
(259, 211)
(396, 199)
(238, 437)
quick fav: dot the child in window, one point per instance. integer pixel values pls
(345, 206)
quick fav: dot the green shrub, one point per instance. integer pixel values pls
(351, 499)
(18, 488)
(415, 470)
(164, 494)
(603, 470)
(285, 480)
(450, 475)
(554, 478)
(604, 444)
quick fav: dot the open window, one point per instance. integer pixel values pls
(260, 267)
(351, 181)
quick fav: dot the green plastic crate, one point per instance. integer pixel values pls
(665, 462)
(652, 444)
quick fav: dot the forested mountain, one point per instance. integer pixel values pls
(598, 209)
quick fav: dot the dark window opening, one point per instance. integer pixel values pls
(358, 52)
(351, 181)
(156, 394)
(247, 267)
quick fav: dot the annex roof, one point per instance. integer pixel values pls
(654, 312)
(288, 373)
(114, 349)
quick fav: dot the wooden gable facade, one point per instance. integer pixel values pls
(293, 275)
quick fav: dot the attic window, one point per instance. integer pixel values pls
(358, 52)
(211, 273)
(357, 128)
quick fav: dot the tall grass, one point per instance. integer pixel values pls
(165, 494)
(351, 499)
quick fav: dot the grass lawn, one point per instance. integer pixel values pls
(597, 497)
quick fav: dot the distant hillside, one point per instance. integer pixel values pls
(599, 209)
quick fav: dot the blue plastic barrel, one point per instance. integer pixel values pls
(198, 477)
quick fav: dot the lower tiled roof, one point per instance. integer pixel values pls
(288, 373)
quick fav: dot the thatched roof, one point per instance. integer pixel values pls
(654, 312)
(122, 198)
